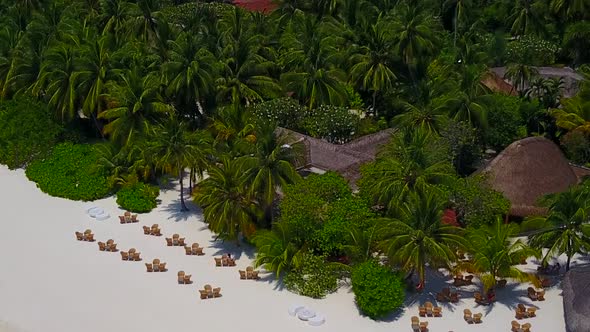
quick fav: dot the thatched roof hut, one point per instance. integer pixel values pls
(342, 158)
(576, 299)
(527, 170)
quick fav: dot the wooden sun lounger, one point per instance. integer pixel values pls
(162, 267)
(217, 292)
(217, 261)
(156, 232)
(515, 326)
(531, 312)
(181, 242)
(79, 236)
(149, 267)
(423, 326)
(479, 299)
(477, 318)
(146, 230)
(188, 250)
(255, 275)
(198, 251)
(124, 255)
(187, 279)
(501, 283)
(467, 316)
(526, 327)
(415, 323)
(156, 264)
(134, 218)
(122, 220)
(112, 247)
(204, 294)
(136, 256)
(541, 295)
(102, 246)
(180, 275)
(89, 237)
(437, 312)
(169, 242)
(422, 311)
(242, 274)
(428, 306)
(532, 293)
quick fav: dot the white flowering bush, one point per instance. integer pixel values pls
(332, 123)
(532, 50)
(284, 112)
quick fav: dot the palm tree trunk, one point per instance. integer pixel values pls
(190, 182)
(569, 256)
(182, 205)
(374, 100)
(455, 24)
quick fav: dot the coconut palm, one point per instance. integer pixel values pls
(569, 9)
(114, 15)
(430, 118)
(227, 205)
(494, 254)
(276, 251)
(520, 74)
(460, 9)
(566, 229)
(174, 147)
(134, 103)
(527, 18)
(418, 238)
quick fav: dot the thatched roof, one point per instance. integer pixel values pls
(571, 79)
(527, 170)
(576, 299)
(342, 158)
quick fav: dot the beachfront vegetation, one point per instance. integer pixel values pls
(138, 197)
(165, 88)
(377, 290)
(70, 172)
(312, 277)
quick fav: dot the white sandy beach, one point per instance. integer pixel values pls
(50, 282)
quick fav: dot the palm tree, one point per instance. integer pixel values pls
(362, 243)
(494, 254)
(569, 9)
(276, 251)
(419, 238)
(174, 147)
(373, 67)
(520, 74)
(271, 166)
(190, 73)
(461, 7)
(227, 206)
(527, 18)
(134, 103)
(566, 229)
(114, 15)
(430, 118)
(576, 41)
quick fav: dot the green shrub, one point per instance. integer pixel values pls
(332, 123)
(70, 172)
(27, 131)
(377, 290)
(577, 146)
(313, 278)
(138, 197)
(532, 50)
(284, 112)
(505, 123)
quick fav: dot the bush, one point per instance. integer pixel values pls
(505, 124)
(577, 146)
(70, 172)
(532, 50)
(27, 131)
(313, 278)
(138, 197)
(377, 290)
(332, 123)
(284, 112)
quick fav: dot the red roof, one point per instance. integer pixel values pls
(265, 6)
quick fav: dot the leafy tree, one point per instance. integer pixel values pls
(377, 291)
(138, 197)
(565, 230)
(520, 75)
(276, 250)
(505, 122)
(419, 238)
(313, 277)
(463, 146)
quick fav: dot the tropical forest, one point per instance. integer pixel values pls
(120, 98)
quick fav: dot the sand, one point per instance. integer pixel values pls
(51, 282)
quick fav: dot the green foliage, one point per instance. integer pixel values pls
(475, 202)
(138, 197)
(377, 291)
(284, 112)
(332, 123)
(505, 122)
(314, 277)
(577, 146)
(27, 131)
(532, 51)
(464, 147)
(70, 172)
(355, 101)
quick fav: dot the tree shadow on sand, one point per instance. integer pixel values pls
(221, 247)
(174, 212)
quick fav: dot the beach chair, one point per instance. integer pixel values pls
(79, 236)
(415, 323)
(209, 290)
(194, 245)
(468, 280)
(156, 232)
(532, 293)
(198, 252)
(110, 241)
(204, 294)
(541, 295)
(454, 296)
(217, 292)
(531, 312)
(515, 326)
(187, 279)
(422, 311)
(136, 256)
(501, 283)
(423, 326)
(113, 247)
(162, 267)
(155, 226)
(231, 262)
(440, 297)
(458, 280)
(180, 277)
(188, 250)
(175, 239)
(124, 255)
(255, 275)
(134, 218)
(479, 299)
(169, 242)
(146, 230)
(545, 282)
(437, 312)
(242, 274)
(102, 246)
(519, 314)
(156, 263)
(132, 251)
(467, 316)
(149, 267)
(526, 327)
(181, 242)
(217, 261)
(477, 318)
(89, 237)
(122, 219)
(428, 306)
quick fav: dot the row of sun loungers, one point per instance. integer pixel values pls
(110, 245)
(224, 261)
(472, 318)
(516, 327)
(184, 279)
(156, 266)
(128, 218)
(86, 236)
(175, 240)
(459, 280)
(154, 230)
(536, 295)
(131, 255)
(209, 292)
(524, 312)
(417, 325)
(194, 250)
(250, 273)
(429, 310)
(447, 296)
